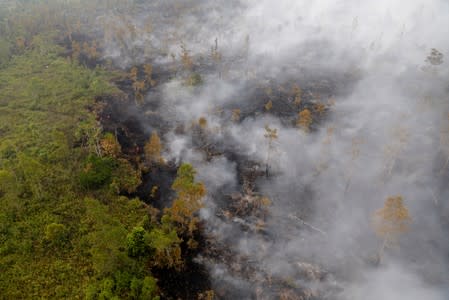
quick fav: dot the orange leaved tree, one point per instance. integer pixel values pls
(391, 221)
(153, 149)
(304, 120)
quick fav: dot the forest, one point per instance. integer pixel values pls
(200, 150)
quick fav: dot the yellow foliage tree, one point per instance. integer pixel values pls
(153, 149)
(90, 51)
(148, 70)
(139, 86)
(207, 295)
(110, 146)
(391, 221)
(269, 105)
(304, 119)
(320, 108)
(133, 74)
(153, 192)
(202, 122)
(236, 115)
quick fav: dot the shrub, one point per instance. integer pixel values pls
(97, 171)
(56, 234)
(136, 243)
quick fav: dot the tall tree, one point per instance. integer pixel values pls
(153, 149)
(304, 120)
(271, 134)
(391, 221)
(188, 202)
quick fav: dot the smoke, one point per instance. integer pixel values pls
(381, 138)
(390, 283)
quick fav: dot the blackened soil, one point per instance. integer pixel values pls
(184, 284)
(156, 186)
(124, 118)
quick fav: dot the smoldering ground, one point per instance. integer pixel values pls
(385, 135)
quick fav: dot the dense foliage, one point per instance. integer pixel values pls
(65, 230)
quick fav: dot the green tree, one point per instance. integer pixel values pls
(136, 243)
(188, 201)
(91, 292)
(122, 281)
(97, 171)
(106, 291)
(125, 178)
(149, 289)
(33, 173)
(166, 246)
(187, 188)
(135, 287)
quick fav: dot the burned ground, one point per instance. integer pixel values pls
(242, 208)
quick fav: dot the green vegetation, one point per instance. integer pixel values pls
(97, 171)
(65, 232)
(188, 201)
(194, 80)
(50, 233)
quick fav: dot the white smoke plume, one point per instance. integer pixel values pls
(382, 137)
